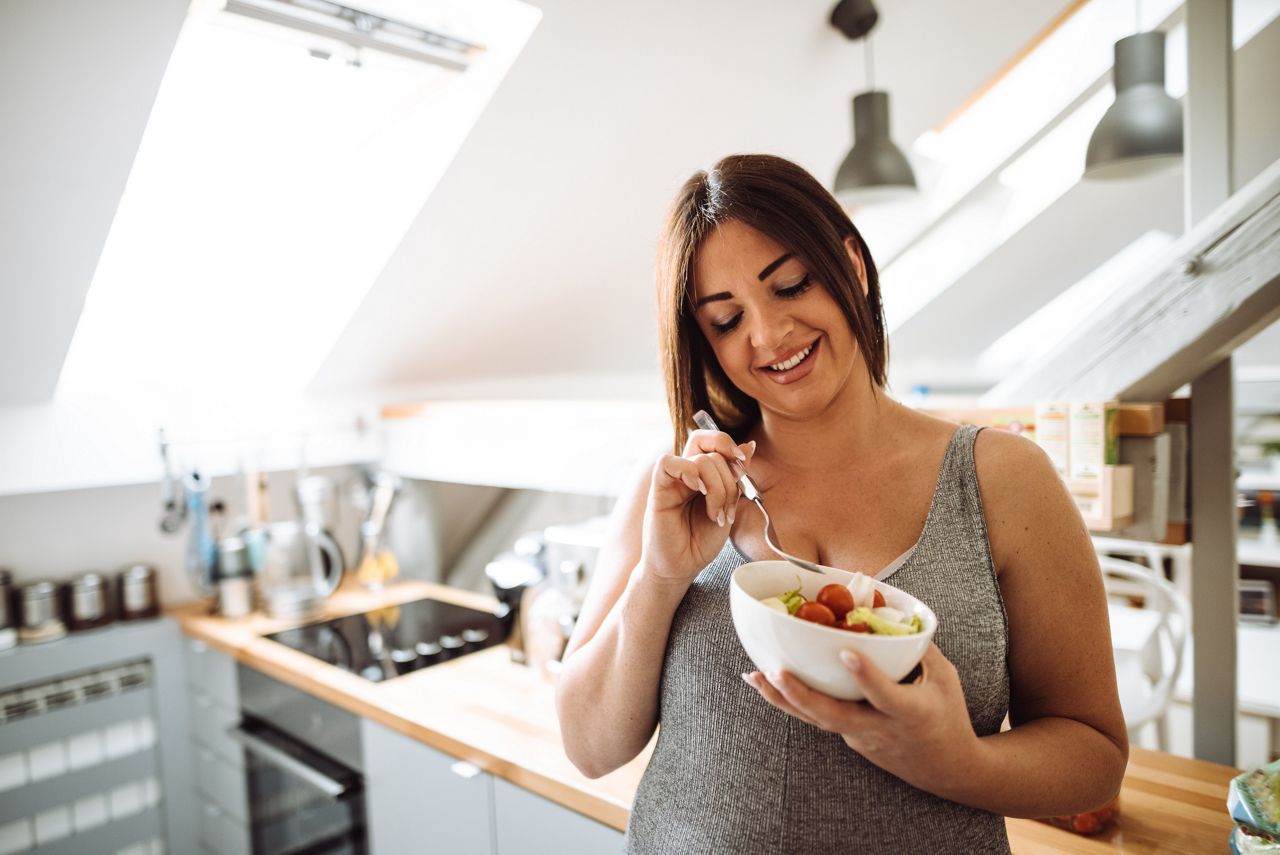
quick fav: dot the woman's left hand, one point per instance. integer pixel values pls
(918, 731)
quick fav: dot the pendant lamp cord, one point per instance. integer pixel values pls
(871, 66)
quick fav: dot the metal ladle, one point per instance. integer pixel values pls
(748, 489)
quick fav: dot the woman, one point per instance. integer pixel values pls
(771, 320)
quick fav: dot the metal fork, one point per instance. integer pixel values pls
(703, 419)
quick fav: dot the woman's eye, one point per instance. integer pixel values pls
(726, 326)
(795, 290)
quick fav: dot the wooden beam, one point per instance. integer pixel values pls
(1214, 571)
(1215, 289)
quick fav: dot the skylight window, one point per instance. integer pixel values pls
(277, 174)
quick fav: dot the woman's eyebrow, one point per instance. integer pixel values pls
(777, 262)
(725, 295)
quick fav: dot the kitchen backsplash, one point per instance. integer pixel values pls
(431, 526)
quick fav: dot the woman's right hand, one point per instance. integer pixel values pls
(693, 499)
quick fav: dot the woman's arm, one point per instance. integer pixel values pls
(1068, 748)
(665, 529)
(607, 694)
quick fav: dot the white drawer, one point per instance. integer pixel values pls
(212, 672)
(221, 783)
(222, 833)
(210, 722)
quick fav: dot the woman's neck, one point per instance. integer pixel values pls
(853, 432)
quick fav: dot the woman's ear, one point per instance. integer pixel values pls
(855, 256)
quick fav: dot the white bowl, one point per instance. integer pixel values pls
(811, 651)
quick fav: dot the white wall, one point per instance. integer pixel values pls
(77, 80)
(57, 535)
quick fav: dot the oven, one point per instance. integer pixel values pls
(303, 769)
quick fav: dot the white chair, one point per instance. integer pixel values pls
(1148, 642)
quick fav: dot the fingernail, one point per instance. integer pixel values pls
(746, 678)
(702, 486)
(752, 443)
(737, 452)
(852, 662)
(732, 514)
(720, 519)
(775, 677)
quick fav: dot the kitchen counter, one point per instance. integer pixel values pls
(501, 717)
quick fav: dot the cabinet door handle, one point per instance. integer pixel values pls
(463, 769)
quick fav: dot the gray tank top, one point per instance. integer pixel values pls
(730, 773)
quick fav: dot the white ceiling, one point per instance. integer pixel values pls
(534, 254)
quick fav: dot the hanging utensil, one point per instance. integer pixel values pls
(202, 555)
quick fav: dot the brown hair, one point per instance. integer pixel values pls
(778, 199)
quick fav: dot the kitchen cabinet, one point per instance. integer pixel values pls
(219, 790)
(525, 824)
(420, 800)
(93, 743)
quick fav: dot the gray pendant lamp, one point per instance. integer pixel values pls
(1141, 133)
(875, 170)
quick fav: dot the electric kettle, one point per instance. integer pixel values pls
(298, 566)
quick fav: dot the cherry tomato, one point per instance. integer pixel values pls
(859, 627)
(877, 601)
(838, 599)
(816, 613)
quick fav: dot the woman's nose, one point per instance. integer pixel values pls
(770, 329)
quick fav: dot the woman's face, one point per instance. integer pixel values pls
(778, 334)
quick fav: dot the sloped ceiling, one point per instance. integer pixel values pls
(77, 81)
(534, 254)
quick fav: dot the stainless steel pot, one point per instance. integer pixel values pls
(41, 617)
(139, 597)
(88, 602)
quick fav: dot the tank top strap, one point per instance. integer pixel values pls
(957, 516)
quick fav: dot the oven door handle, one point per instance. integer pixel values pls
(282, 759)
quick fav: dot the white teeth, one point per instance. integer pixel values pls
(793, 361)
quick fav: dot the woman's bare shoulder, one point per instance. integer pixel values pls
(1026, 504)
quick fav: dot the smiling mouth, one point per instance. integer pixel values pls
(788, 364)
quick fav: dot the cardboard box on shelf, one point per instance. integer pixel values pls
(1106, 502)
(1139, 419)
(1094, 437)
(1053, 434)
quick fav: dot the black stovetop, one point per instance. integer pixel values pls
(386, 643)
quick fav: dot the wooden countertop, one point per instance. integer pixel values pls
(501, 717)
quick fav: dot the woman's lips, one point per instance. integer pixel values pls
(798, 372)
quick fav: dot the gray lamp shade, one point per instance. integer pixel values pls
(1141, 133)
(875, 170)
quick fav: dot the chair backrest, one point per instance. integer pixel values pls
(1173, 626)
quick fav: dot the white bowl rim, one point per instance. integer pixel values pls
(925, 629)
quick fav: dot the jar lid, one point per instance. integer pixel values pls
(138, 572)
(89, 581)
(38, 588)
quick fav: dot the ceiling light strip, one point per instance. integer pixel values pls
(361, 29)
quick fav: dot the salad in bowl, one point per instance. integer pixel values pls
(793, 619)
